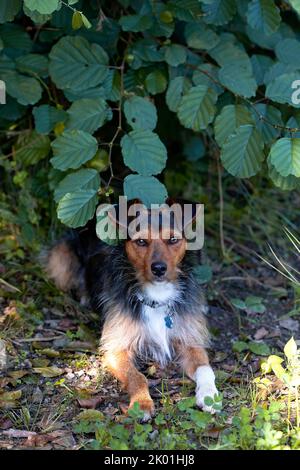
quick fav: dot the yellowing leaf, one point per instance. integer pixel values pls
(48, 371)
(77, 20)
(290, 349)
(9, 399)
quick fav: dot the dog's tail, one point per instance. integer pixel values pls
(64, 263)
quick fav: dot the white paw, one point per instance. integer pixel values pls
(147, 417)
(205, 387)
(207, 390)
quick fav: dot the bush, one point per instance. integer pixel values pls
(103, 91)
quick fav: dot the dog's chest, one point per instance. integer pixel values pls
(157, 334)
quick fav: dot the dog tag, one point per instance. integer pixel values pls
(169, 321)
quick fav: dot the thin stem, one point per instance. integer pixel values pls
(221, 213)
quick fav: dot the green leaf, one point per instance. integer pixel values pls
(203, 273)
(239, 346)
(280, 89)
(146, 188)
(136, 23)
(76, 64)
(9, 9)
(287, 183)
(189, 10)
(207, 74)
(77, 208)
(46, 117)
(15, 39)
(261, 64)
(290, 349)
(219, 12)
(177, 88)
(296, 5)
(197, 108)
(41, 6)
(230, 118)
(73, 148)
(238, 303)
(36, 17)
(86, 178)
(254, 304)
(32, 148)
(288, 52)
(175, 54)
(264, 16)
(267, 119)
(106, 229)
(285, 156)
(33, 64)
(87, 114)
(140, 113)
(144, 152)
(238, 79)
(156, 82)
(199, 36)
(242, 153)
(261, 349)
(26, 90)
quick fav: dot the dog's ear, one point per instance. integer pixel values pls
(185, 211)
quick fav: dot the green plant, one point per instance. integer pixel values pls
(290, 374)
(95, 92)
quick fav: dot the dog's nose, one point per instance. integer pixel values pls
(158, 268)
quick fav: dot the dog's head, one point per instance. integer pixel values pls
(156, 239)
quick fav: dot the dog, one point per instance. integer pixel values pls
(149, 301)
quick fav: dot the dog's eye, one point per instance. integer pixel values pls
(173, 240)
(141, 242)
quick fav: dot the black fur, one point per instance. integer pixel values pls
(110, 280)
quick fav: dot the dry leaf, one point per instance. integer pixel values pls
(18, 433)
(90, 403)
(261, 333)
(48, 371)
(9, 399)
(49, 352)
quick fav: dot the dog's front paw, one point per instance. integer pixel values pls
(207, 390)
(205, 387)
(147, 406)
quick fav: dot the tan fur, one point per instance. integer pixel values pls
(120, 364)
(62, 267)
(121, 332)
(158, 249)
(192, 358)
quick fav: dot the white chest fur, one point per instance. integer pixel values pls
(158, 335)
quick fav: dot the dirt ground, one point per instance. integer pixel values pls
(51, 370)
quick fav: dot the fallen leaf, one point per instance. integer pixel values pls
(5, 423)
(289, 324)
(49, 352)
(90, 415)
(91, 402)
(40, 362)
(48, 371)
(261, 333)
(10, 399)
(18, 374)
(18, 433)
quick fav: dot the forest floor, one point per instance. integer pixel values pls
(54, 393)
